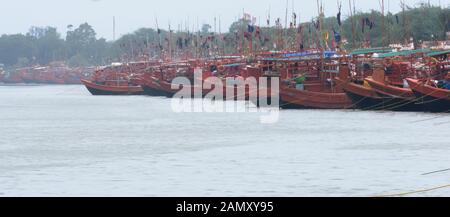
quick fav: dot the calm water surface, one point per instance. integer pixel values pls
(61, 141)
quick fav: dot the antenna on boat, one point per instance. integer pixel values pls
(405, 22)
(286, 26)
(170, 42)
(353, 24)
(214, 39)
(383, 25)
(198, 35)
(159, 36)
(114, 28)
(222, 49)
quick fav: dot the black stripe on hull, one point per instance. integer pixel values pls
(98, 92)
(383, 103)
(155, 92)
(288, 105)
(432, 104)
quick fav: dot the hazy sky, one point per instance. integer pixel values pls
(16, 16)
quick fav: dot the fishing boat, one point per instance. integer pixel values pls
(294, 98)
(157, 81)
(392, 89)
(311, 84)
(153, 86)
(11, 78)
(2, 75)
(109, 89)
(431, 97)
(114, 80)
(384, 87)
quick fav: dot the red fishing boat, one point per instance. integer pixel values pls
(155, 87)
(395, 93)
(108, 89)
(11, 78)
(432, 98)
(2, 75)
(115, 80)
(383, 89)
(315, 88)
(157, 81)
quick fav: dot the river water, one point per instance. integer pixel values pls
(61, 141)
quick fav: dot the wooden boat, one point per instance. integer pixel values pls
(293, 98)
(377, 91)
(108, 89)
(319, 90)
(11, 78)
(115, 80)
(155, 87)
(158, 83)
(157, 80)
(394, 97)
(433, 99)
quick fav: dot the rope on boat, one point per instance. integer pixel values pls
(400, 104)
(415, 192)
(429, 119)
(424, 102)
(413, 101)
(381, 105)
(438, 171)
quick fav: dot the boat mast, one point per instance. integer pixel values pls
(353, 24)
(170, 42)
(286, 33)
(159, 37)
(114, 28)
(382, 25)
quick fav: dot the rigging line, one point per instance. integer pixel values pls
(421, 102)
(443, 123)
(437, 171)
(414, 192)
(381, 105)
(429, 119)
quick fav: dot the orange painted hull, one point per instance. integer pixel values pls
(291, 97)
(433, 99)
(98, 89)
(390, 90)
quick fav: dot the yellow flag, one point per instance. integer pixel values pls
(326, 36)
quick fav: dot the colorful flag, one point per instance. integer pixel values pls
(247, 17)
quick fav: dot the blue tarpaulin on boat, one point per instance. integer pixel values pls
(233, 65)
(447, 85)
(327, 54)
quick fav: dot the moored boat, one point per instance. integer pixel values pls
(104, 89)
(378, 91)
(433, 99)
(294, 98)
(395, 97)
(114, 80)
(314, 89)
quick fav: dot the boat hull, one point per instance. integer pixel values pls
(432, 99)
(99, 90)
(293, 98)
(367, 98)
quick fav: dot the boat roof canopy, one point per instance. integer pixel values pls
(438, 53)
(233, 65)
(403, 53)
(371, 50)
(326, 54)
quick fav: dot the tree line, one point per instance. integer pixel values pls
(82, 47)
